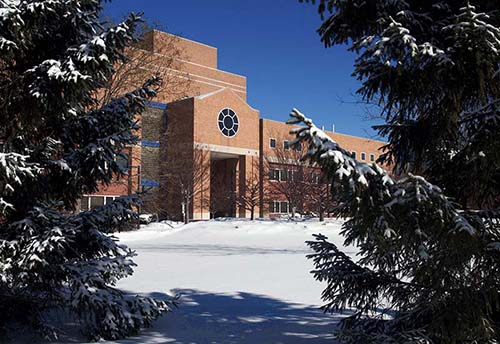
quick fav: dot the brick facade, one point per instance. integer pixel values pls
(366, 150)
(175, 131)
(198, 63)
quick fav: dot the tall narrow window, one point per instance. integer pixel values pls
(286, 145)
(272, 143)
(353, 154)
(283, 175)
(84, 203)
(363, 156)
(284, 207)
(372, 157)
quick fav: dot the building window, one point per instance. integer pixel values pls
(284, 207)
(272, 143)
(315, 178)
(363, 156)
(122, 161)
(297, 147)
(286, 145)
(92, 202)
(278, 207)
(273, 207)
(96, 201)
(228, 122)
(286, 175)
(84, 203)
(283, 175)
(353, 154)
(372, 157)
(274, 174)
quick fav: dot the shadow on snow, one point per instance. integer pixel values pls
(237, 318)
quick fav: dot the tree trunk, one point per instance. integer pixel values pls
(321, 217)
(183, 210)
(251, 213)
(186, 213)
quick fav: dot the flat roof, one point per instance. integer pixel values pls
(326, 131)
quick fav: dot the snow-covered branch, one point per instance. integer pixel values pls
(14, 169)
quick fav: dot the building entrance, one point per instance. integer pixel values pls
(223, 185)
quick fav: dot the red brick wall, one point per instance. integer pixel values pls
(281, 131)
(195, 120)
(206, 128)
(177, 148)
(195, 52)
(198, 63)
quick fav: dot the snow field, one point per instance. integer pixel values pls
(239, 281)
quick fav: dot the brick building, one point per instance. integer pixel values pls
(215, 119)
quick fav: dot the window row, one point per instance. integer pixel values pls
(291, 175)
(92, 202)
(284, 175)
(363, 156)
(286, 145)
(280, 207)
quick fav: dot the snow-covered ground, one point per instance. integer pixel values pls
(239, 281)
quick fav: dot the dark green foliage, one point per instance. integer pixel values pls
(58, 144)
(429, 248)
(431, 66)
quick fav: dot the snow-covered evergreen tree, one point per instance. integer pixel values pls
(55, 147)
(429, 239)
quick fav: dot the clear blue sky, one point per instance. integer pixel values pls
(275, 45)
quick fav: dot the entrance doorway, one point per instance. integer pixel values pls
(223, 181)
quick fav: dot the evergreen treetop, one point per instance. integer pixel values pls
(429, 234)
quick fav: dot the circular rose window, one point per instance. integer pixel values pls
(228, 122)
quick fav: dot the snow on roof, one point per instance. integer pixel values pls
(206, 95)
(209, 94)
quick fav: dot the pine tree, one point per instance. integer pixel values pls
(56, 146)
(429, 233)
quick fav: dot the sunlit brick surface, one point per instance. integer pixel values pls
(169, 136)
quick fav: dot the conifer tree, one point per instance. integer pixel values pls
(429, 233)
(56, 146)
